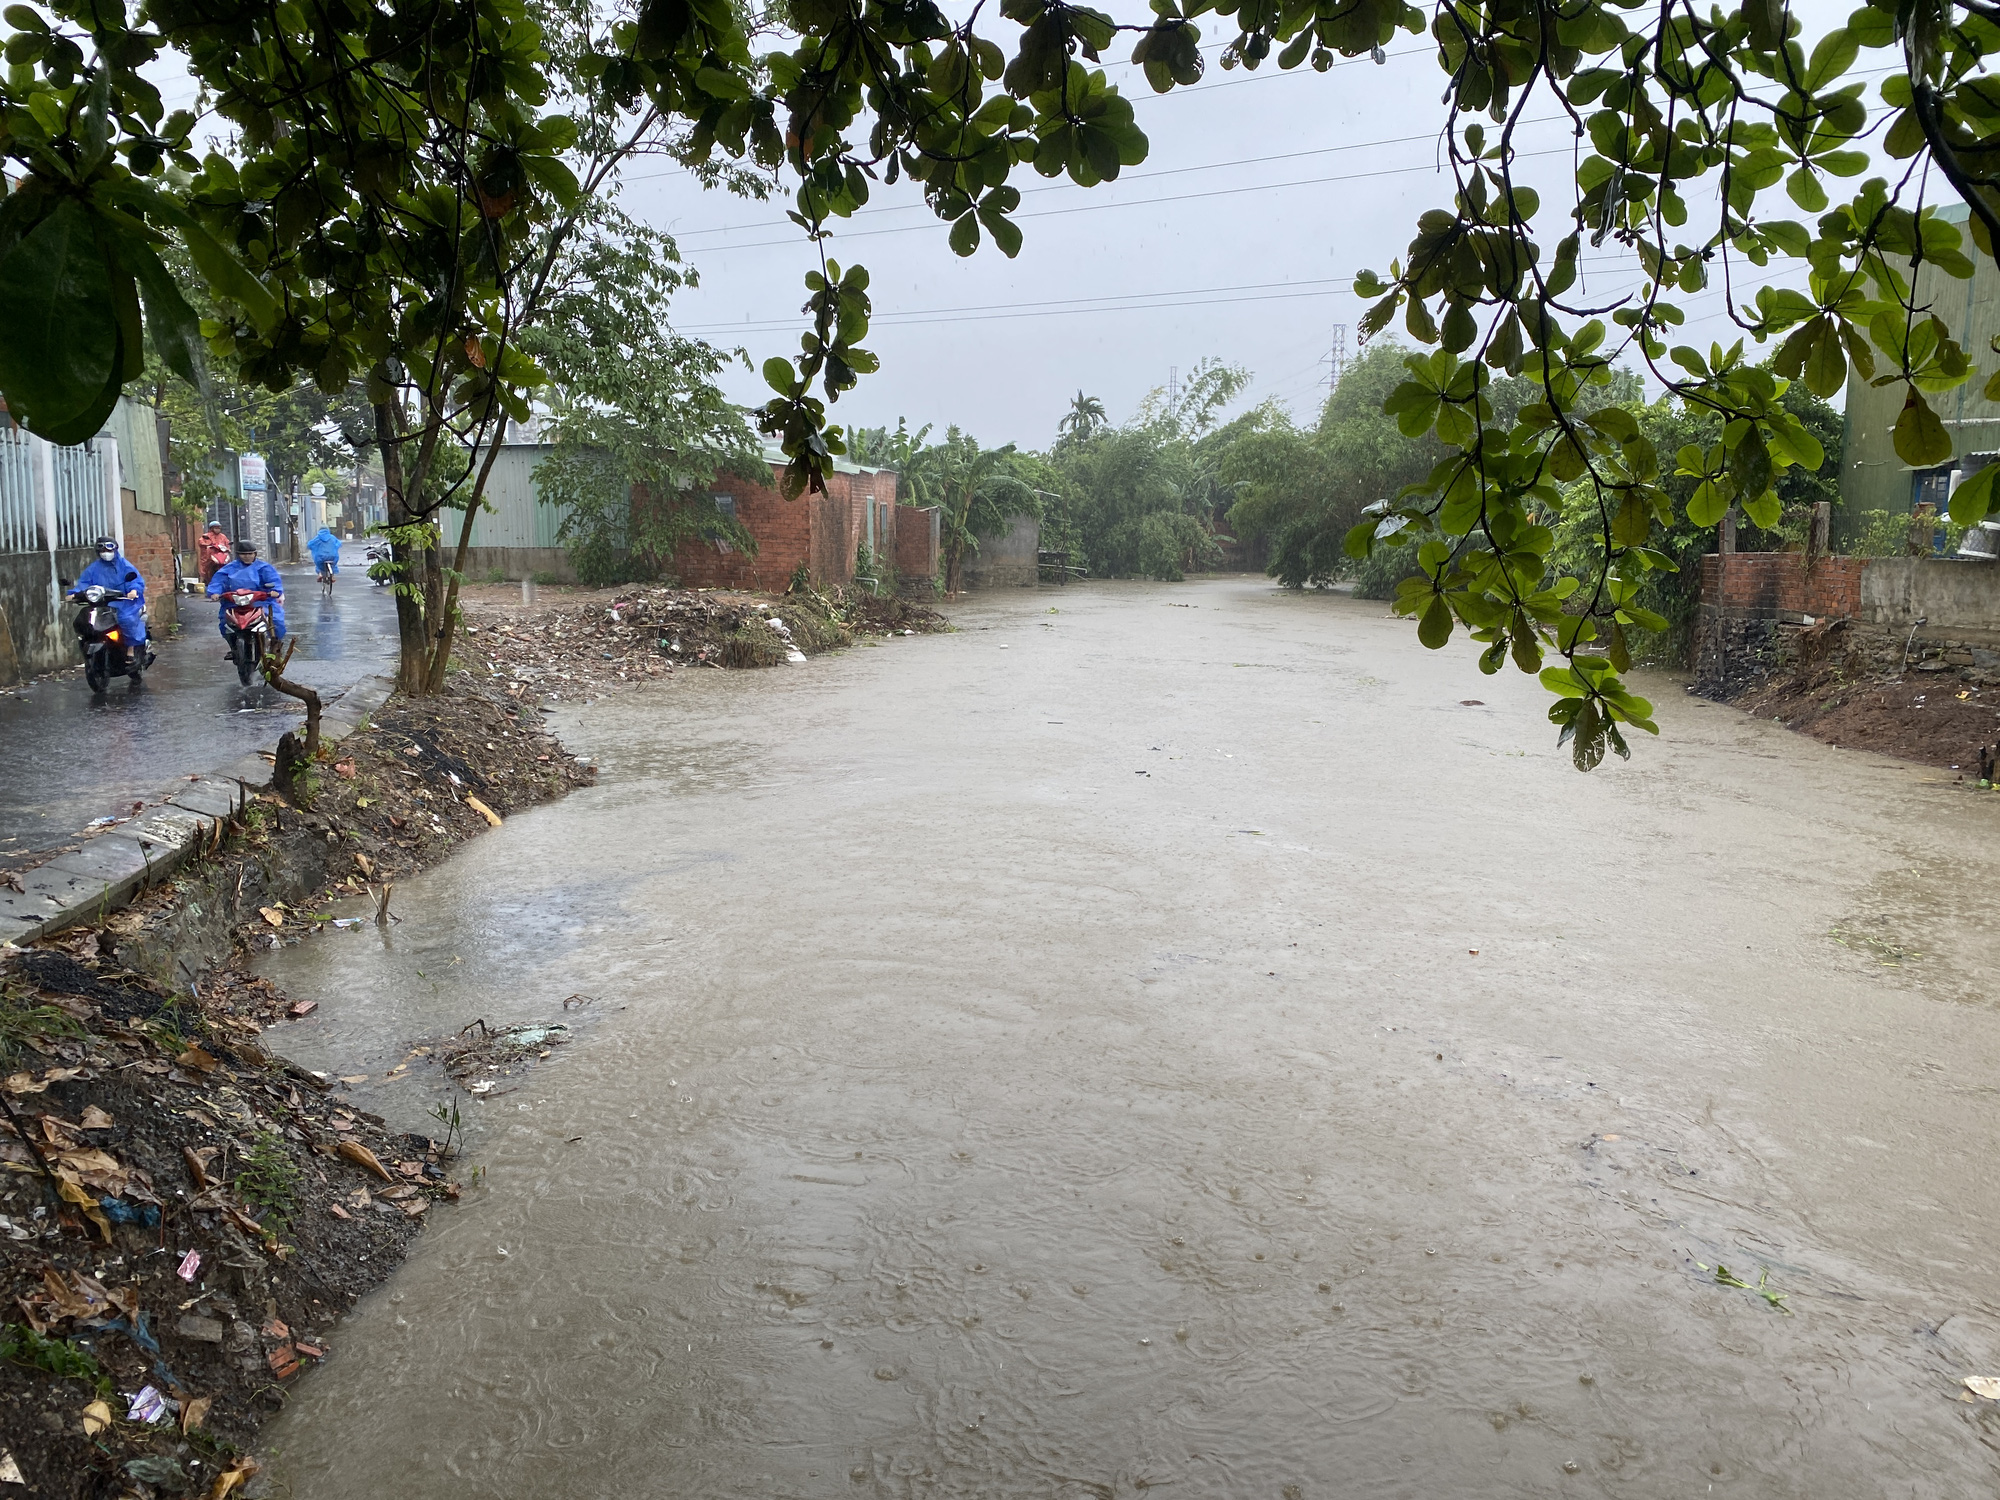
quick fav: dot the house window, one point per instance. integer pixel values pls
(1930, 486)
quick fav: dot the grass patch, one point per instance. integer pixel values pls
(269, 1179)
(26, 1024)
(59, 1357)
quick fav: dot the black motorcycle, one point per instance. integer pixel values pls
(106, 652)
(246, 619)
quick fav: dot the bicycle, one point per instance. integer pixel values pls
(327, 570)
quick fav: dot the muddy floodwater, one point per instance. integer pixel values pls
(1161, 1036)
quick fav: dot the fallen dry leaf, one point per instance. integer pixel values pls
(96, 1418)
(344, 769)
(338, 1212)
(232, 1479)
(362, 860)
(24, 1083)
(199, 1059)
(197, 1164)
(362, 1157)
(95, 1118)
(195, 1412)
(272, 915)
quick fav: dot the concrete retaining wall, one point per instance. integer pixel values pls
(1007, 560)
(515, 563)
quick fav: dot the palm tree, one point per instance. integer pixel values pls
(1086, 416)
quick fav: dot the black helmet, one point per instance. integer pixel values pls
(106, 545)
(246, 548)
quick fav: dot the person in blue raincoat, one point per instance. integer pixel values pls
(325, 549)
(114, 572)
(249, 572)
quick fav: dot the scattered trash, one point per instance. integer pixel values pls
(96, 1418)
(343, 923)
(1987, 1386)
(118, 1211)
(158, 1469)
(10, 1472)
(492, 817)
(147, 1406)
(300, 1008)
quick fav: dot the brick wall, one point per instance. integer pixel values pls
(153, 556)
(916, 544)
(1762, 612)
(822, 531)
(1772, 585)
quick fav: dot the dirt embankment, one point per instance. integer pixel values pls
(575, 643)
(1932, 717)
(183, 1217)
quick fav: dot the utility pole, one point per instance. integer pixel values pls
(1336, 356)
(1173, 386)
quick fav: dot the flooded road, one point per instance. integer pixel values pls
(1175, 1041)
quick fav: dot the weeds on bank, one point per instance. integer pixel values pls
(25, 1024)
(269, 1179)
(446, 1114)
(21, 1345)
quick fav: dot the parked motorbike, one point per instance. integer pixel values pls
(247, 625)
(378, 553)
(106, 652)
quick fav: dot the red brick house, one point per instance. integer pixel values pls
(824, 531)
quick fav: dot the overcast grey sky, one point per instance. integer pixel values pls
(1236, 239)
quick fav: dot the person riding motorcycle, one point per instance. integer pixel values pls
(114, 573)
(325, 550)
(248, 572)
(212, 551)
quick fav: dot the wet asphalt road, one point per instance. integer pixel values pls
(67, 757)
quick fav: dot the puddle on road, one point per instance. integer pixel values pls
(984, 1120)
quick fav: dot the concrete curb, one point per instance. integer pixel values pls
(109, 870)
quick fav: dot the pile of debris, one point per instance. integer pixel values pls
(572, 644)
(181, 1215)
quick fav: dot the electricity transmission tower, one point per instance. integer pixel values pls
(1336, 357)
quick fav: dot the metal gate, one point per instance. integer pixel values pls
(20, 516)
(81, 499)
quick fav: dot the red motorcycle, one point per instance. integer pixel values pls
(247, 625)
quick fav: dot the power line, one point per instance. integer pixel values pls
(1135, 301)
(1003, 310)
(1082, 208)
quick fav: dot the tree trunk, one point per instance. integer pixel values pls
(407, 585)
(292, 756)
(440, 661)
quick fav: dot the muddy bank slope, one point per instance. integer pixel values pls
(183, 1215)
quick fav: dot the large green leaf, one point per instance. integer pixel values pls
(1921, 440)
(62, 345)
